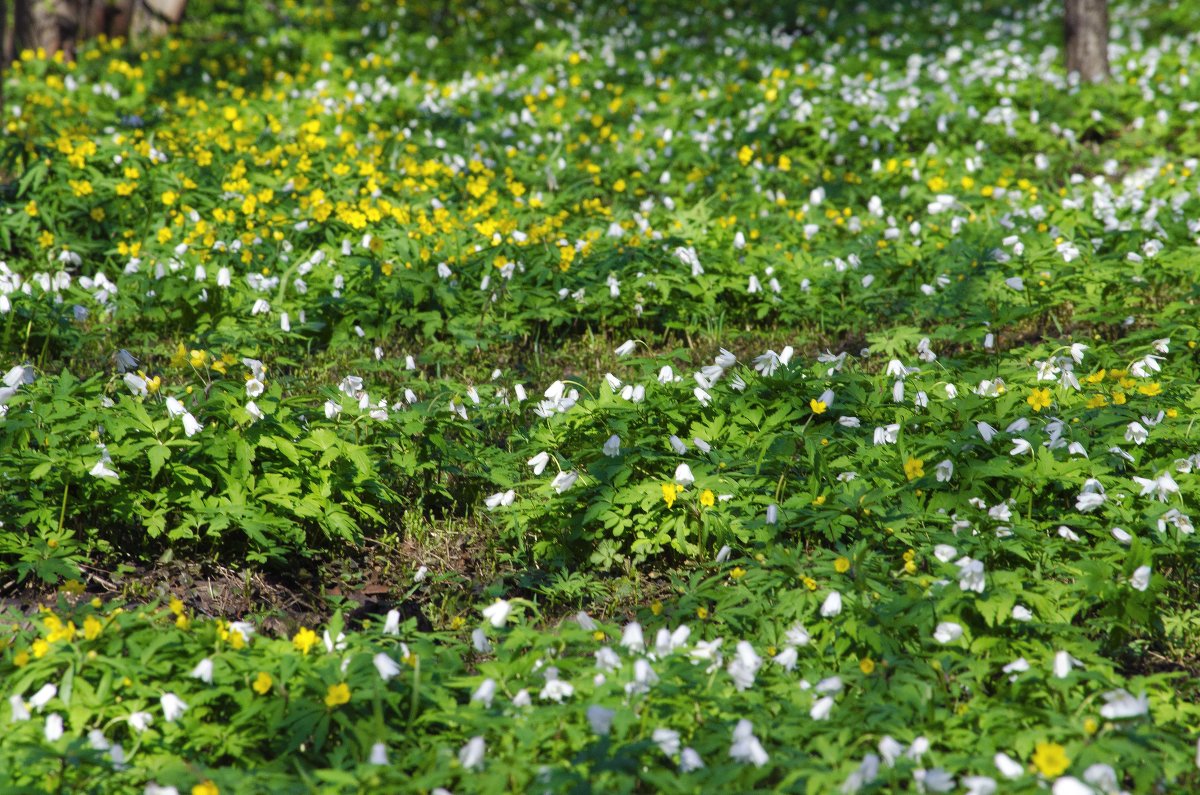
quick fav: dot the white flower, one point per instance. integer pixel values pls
(744, 666)
(787, 658)
(386, 666)
(391, 624)
(172, 706)
(600, 719)
(1063, 663)
(471, 755)
(564, 480)
(19, 711)
(944, 552)
(54, 727)
(947, 632)
(136, 384)
(934, 780)
(1021, 613)
(890, 750)
(42, 697)
(485, 692)
(632, 638)
(746, 747)
(1102, 777)
(970, 574)
(1008, 767)
(254, 388)
(191, 426)
(1069, 785)
(522, 699)
(1135, 432)
(378, 754)
(1120, 704)
(832, 605)
(254, 411)
(204, 671)
(644, 678)
(140, 721)
(821, 708)
(944, 471)
(683, 475)
(667, 741)
(1141, 578)
(625, 348)
(556, 689)
(689, 760)
(102, 470)
(612, 448)
(497, 613)
(538, 462)
(1161, 486)
(500, 499)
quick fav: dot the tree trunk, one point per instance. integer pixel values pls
(155, 18)
(1087, 39)
(52, 25)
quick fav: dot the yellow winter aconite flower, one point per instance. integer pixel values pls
(1050, 759)
(304, 640)
(841, 565)
(169, 197)
(817, 406)
(745, 155)
(914, 468)
(671, 492)
(262, 683)
(91, 628)
(206, 788)
(707, 498)
(1038, 399)
(1151, 389)
(337, 695)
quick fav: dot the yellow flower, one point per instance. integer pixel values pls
(737, 573)
(866, 665)
(785, 163)
(910, 567)
(40, 648)
(656, 607)
(670, 492)
(169, 197)
(198, 358)
(304, 640)
(745, 155)
(338, 694)
(810, 583)
(1151, 389)
(1097, 402)
(1039, 399)
(701, 613)
(206, 788)
(817, 406)
(1091, 725)
(1118, 398)
(31, 209)
(914, 468)
(1050, 759)
(262, 685)
(21, 659)
(841, 565)
(91, 628)
(707, 498)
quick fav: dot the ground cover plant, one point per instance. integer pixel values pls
(713, 400)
